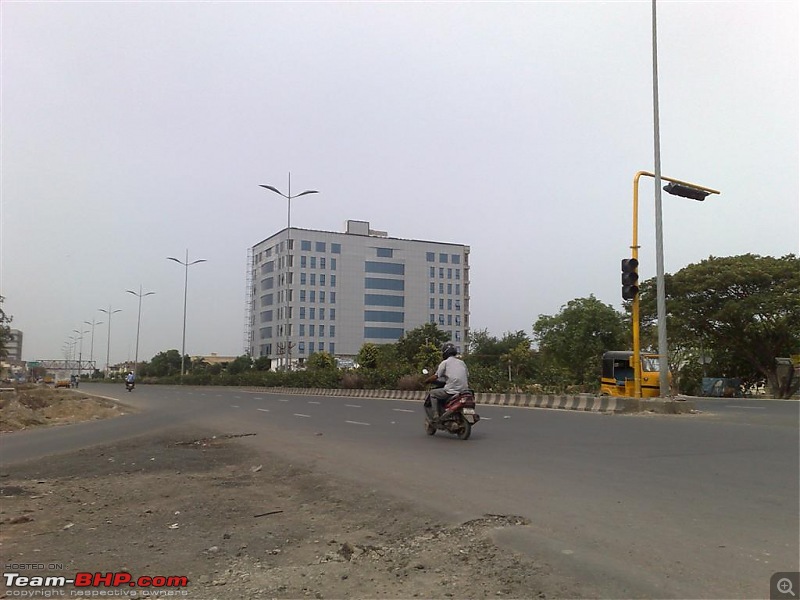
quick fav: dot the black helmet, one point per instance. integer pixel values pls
(448, 350)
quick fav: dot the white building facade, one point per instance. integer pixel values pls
(323, 291)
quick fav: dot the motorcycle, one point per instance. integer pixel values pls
(459, 413)
(129, 385)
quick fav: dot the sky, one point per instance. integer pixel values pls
(135, 131)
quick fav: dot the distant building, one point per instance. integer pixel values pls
(333, 292)
(14, 346)
(214, 359)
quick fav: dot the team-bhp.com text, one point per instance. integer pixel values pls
(96, 580)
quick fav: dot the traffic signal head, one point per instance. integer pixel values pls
(686, 191)
(630, 278)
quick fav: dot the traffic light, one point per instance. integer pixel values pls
(686, 191)
(630, 278)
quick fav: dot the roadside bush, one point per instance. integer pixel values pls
(410, 383)
(352, 381)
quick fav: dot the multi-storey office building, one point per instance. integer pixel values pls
(333, 292)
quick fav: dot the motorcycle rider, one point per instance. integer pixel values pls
(455, 374)
(130, 377)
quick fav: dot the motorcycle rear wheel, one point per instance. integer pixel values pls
(465, 430)
(430, 428)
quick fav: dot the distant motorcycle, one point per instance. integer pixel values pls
(458, 417)
(129, 385)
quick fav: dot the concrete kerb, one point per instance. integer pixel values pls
(582, 402)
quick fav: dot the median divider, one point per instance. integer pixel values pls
(581, 402)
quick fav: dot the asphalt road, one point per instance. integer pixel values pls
(634, 506)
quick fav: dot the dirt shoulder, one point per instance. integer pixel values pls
(245, 524)
(41, 406)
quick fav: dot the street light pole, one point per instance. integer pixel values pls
(72, 344)
(80, 351)
(661, 302)
(186, 264)
(91, 352)
(140, 295)
(287, 349)
(109, 312)
(676, 187)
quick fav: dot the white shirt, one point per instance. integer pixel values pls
(455, 373)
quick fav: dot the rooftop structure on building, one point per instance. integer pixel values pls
(324, 291)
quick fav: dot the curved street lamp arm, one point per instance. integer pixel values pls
(276, 190)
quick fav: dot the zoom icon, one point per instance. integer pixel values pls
(784, 585)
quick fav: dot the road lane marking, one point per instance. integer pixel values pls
(234, 406)
(283, 399)
(403, 410)
(356, 423)
(263, 409)
(314, 402)
(299, 415)
(353, 405)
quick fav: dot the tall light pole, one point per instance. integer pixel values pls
(91, 352)
(661, 302)
(289, 197)
(676, 187)
(110, 313)
(80, 350)
(72, 343)
(186, 264)
(139, 295)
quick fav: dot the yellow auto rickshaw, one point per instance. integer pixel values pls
(617, 377)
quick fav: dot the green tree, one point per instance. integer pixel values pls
(428, 357)
(198, 366)
(5, 330)
(487, 350)
(240, 364)
(408, 346)
(572, 342)
(165, 364)
(262, 363)
(321, 361)
(368, 356)
(743, 311)
(520, 362)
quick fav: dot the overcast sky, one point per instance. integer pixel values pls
(133, 131)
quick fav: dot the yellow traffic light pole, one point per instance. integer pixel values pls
(637, 348)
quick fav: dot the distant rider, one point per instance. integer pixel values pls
(455, 374)
(129, 378)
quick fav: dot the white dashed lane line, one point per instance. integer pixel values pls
(314, 402)
(353, 405)
(403, 410)
(304, 416)
(356, 423)
(263, 409)
(234, 406)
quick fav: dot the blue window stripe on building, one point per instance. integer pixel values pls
(383, 300)
(384, 267)
(384, 316)
(378, 283)
(383, 333)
